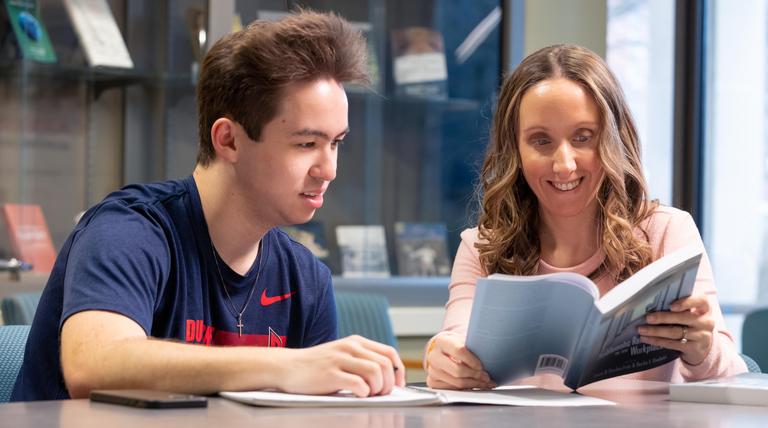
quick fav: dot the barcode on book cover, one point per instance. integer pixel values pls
(550, 363)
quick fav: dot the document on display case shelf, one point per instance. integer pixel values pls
(98, 33)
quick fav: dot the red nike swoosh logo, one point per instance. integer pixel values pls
(266, 300)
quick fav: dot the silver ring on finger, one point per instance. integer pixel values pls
(684, 338)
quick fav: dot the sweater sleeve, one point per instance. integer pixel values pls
(723, 358)
(466, 271)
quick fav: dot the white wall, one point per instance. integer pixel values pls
(549, 22)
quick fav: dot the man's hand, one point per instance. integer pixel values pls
(353, 363)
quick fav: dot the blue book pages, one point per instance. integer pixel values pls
(522, 326)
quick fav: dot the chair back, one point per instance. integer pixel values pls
(13, 340)
(19, 308)
(754, 336)
(366, 315)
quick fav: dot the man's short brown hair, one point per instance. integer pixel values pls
(243, 75)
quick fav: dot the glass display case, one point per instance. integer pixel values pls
(70, 133)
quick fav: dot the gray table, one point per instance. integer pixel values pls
(641, 404)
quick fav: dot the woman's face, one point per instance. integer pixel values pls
(559, 124)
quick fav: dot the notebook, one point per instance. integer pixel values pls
(746, 389)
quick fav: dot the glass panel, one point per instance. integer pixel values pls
(47, 123)
(735, 191)
(414, 152)
(641, 53)
(42, 142)
(736, 185)
(69, 134)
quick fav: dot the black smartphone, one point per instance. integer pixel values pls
(148, 399)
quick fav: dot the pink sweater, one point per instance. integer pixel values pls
(668, 229)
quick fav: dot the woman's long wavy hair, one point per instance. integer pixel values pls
(508, 220)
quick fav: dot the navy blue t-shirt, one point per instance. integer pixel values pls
(144, 252)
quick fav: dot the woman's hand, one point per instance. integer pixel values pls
(450, 365)
(688, 327)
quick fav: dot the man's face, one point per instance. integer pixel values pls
(283, 176)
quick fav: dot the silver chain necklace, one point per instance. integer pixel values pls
(238, 314)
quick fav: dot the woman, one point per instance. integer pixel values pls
(563, 190)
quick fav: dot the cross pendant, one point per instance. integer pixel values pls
(240, 325)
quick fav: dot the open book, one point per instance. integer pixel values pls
(556, 323)
(418, 396)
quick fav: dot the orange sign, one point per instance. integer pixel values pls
(29, 235)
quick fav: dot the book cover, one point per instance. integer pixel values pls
(312, 236)
(418, 63)
(422, 249)
(363, 251)
(750, 389)
(29, 235)
(98, 33)
(30, 32)
(557, 323)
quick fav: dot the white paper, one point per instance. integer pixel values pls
(421, 67)
(520, 396)
(398, 397)
(418, 396)
(98, 33)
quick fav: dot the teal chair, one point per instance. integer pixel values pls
(366, 315)
(19, 308)
(13, 340)
(754, 336)
(752, 366)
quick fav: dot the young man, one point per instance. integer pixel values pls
(157, 281)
